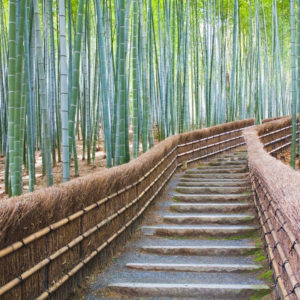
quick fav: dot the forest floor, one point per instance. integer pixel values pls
(83, 166)
(285, 157)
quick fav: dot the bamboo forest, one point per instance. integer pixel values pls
(130, 73)
(150, 149)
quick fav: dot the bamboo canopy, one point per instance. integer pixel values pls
(131, 72)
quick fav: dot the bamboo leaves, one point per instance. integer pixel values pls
(130, 72)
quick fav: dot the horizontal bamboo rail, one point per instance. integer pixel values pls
(286, 145)
(264, 212)
(209, 146)
(214, 153)
(281, 240)
(275, 131)
(278, 140)
(272, 260)
(52, 227)
(169, 164)
(210, 137)
(277, 212)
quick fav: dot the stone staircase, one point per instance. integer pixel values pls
(202, 243)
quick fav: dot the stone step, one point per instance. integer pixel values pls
(201, 250)
(236, 154)
(212, 179)
(173, 277)
(212, 190)
(183, 290)
(224, 268)
(228, 219)
(213, 170)
(200, 246)
(211, 207)
(222, 167)
(198, 230)
(235, 158)
(215, 176)
(140, 256)
(200, 198)
(244, 183)
(228, 163)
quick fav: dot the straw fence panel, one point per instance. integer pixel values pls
(51, 239)
(276, 194)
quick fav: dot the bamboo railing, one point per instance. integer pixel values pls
(53, 261)
(274, 197)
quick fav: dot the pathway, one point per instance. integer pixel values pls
(204, 243)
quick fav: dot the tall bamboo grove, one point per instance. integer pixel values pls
(132, 72)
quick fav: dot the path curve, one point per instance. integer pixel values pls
(204, 244)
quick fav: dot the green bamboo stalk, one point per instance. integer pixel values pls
(294, 83)
(164, 65)
(64, 91)
(12, 42)
(186, 114)
(18, 140)
(30, 103)
(43, 97)
(298, 61)
(121, 87)
(135, 113)
(234, 61)
(75, 83)
(104, 85)
(145, 79)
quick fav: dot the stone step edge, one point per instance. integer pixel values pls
(196, 230)
(204, 250)
(208, 216)
(194, 267)
(189, 290)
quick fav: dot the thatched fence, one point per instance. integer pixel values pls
(52, 238)
(276, 189)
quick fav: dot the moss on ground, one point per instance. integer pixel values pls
(248, 193)
(249, 218)
(212, 163)
(259, 254)
(201, 165)
(267, 275)
(249, 235)
(175, 237)
(259, 257)
(259, 295)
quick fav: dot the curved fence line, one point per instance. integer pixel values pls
(76, 215)
(51, 261)
(276, 135)
(266, 217)
(275, 194)
(106, 243)
(273, 263)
